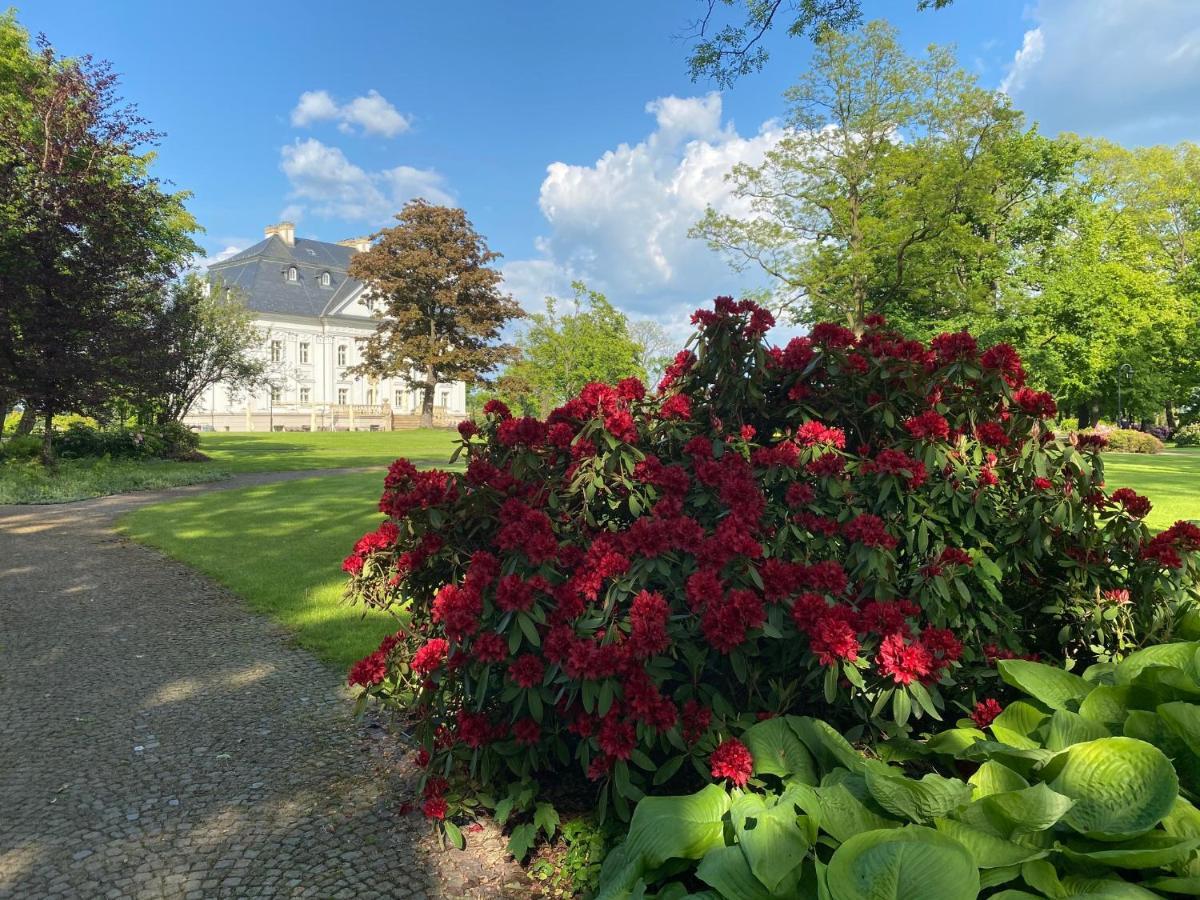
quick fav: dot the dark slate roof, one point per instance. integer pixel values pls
(260, 274)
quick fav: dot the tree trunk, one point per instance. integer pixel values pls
(1170, 411)
(1083, 413)
(28, 419)
(48, 439)
(427, 400)
(5, 402)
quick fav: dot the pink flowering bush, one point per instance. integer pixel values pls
(853, 526)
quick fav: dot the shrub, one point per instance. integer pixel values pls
(856, 527)
(1188, 436)
(1162, 432)
(1071, 792)
(170, 441)
(1126, 440)
(21, 447)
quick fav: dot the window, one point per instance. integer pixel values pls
(276, 394)
(399, 398)
(444, 399)
(304, 352)
(342, 394)
(324, 279)
(341, 354)
(293, 273)
(370, 396)
(276, 351)
(369, 303)
(304, 394)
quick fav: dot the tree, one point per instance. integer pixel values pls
(88, 238)
(727, 52)
(562, 353)
(900, 187)
(655, 347)
(440, 309)
(202, 336)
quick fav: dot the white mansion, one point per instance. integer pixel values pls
(314, 319)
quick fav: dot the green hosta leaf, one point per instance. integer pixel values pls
(1182, 720)
(777, 750)
(955, 740)
(1021, 761)
(1107, 888)
(1187, 887)
(995, 778)
(1121, 787)
(1067, 728)
(1011, 813)
(847, 810)
(988, 851)
(827, 746)
(1150, 851)
(1163, 685)
(665, 828)
(1017, 895)
(1016, 725)
(1107, 704)
(1177, 656)
(918, 801)
(771, 839)
(911, 863)
(728, 870)
(989, 878)
(1050, 685)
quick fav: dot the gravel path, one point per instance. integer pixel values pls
(157, 739)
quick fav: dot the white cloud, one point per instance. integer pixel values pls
(621, 223)
(372, 113)
(325, 181)
(1128, 70)
(233, 247)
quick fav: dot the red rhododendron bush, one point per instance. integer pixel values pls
(852, 526)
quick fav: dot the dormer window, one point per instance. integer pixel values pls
(325, 279)
(292, 273)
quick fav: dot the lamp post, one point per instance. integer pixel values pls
(1124, 372)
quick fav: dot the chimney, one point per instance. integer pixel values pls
(285, 230)
(358, 244)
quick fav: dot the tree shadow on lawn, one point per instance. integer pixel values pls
(280, 547)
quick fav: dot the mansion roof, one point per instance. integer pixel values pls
(260, 274)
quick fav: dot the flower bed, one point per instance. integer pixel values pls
(855, 527)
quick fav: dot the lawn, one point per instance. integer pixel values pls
(1171, 480)
(80, 479)
(280, 546)
(231, 454)
(277, 452)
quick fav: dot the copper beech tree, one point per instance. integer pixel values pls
(438, 301)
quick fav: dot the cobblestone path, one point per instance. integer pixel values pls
(157, 739)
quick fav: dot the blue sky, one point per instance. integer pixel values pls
(570, 132)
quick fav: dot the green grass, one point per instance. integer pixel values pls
(81, 479)
(289, 451)
(280, 546)
(1170, 479)
(231, 454)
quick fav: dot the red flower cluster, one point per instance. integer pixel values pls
(732, 760)
(383, 538)
(928, 426)
(1166, 547)
(1132, 502)
(985, 712)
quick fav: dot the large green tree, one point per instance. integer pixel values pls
(202, 335)
(901, 187)
(88, 237)
(563, 351)
(440, 308)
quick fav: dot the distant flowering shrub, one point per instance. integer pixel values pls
(855, 526)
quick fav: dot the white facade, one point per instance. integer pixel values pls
(309, 357)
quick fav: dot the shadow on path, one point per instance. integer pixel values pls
(159, 740)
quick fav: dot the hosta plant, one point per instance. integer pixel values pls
(855, 526)
(1055, 805)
